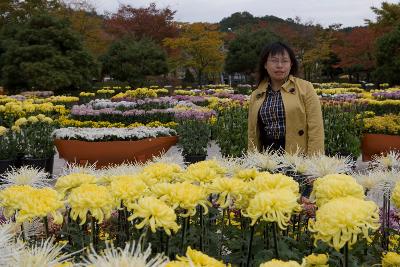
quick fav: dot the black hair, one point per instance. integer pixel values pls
(273, 49)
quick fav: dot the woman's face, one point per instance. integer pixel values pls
(278, 66)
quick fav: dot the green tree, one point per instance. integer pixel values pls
(132, 60)
(388, 57)
(244, 51)
(44, 53)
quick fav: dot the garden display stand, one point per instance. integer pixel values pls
(107, 153)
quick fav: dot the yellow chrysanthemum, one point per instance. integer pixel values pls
(200, 175)
(246, 174)
(228, 190)
(334, 186)
(199, 259)
(208, 164)
(20, 122)
(279, 263)
(275, 205)
(396, 195)
(40, 203)
(265, 181)
(11, 197)
(315, 260)
(154, 213)
(342, 220)
(73, 180)
(163, 172)
(33, 119)
(391, 259)
(31, 203)
(127, 189)
(3, 130)
(187, 196)
(90, 198)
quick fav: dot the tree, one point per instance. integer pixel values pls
(44, 53)
(244, 51)
(200, 46)
(355, 50)
(132, 60)
(236, 21)
(148, 22)
(388, 16)
(90, 26)
(20, 11)
(388, 57)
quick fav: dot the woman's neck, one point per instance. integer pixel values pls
(276, 85)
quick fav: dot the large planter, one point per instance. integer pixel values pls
(113, 152)
(45, 164)
(7, 165)
(376, 144)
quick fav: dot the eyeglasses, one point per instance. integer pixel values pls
(276, 61)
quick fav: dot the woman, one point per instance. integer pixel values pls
(284, 111)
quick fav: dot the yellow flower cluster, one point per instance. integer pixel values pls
(275, 205)
(163, 172)
(183, 92)
(91, 198)
(265, 181)
(66, 122)
(137, 93)
(228, 190)
(203, 172)
(86, 94)
(386, 124)
(279, 263)
(338, 222)
(127, 189)
(391, 259)
(334, 186)
(155, 213)
(21, 122)
(31, 203)
(315, 260)
(73, 180)
(105, 91)
(396, 195)
(184, 195)
(3, 130)
(246, 174)
(335, 91)
(195, 258)
(58, 99)
(25, 108)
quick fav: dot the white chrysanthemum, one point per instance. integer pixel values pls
(391, 160)
(26, 175)
(9, 250)
(369, 180)
(175, 158)
(386, 180)
(268, 160)
(321, 165)
(296, 162)
(76, 168)
(231, 164)
(131, 255)
(45, 253)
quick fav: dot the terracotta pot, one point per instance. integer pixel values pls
(113, 152)
(6, 165)
(375, 144)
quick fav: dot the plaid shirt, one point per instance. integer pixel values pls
(272, 113)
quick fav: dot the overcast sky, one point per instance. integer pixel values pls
(325, 12)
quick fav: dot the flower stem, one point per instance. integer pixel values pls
(183, 237)
(94, 240)
(274, 232)
(346, 255)
(250, 245)
(201, 228)
(46, 226)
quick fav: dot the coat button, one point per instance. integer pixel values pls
(291, 90)
(301, 132)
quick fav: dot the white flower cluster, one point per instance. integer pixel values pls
(106, 103)
(112, 134)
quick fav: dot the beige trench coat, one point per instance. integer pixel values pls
(304, 125)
